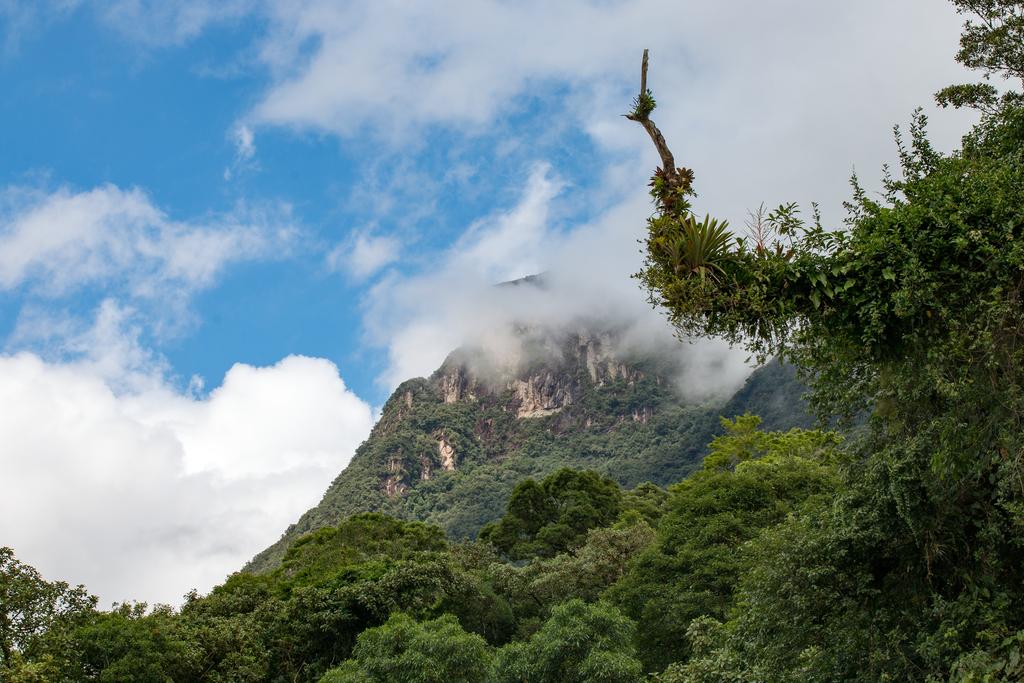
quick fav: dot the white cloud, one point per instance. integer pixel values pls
(147, 494)
(766, 101)
(245, 143)
(61, 241)
(107, 347)
(395, 66)
(507, 245)
(244, 140)
(364, 254)
(162, 23)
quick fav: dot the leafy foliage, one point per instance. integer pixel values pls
(643, 105)
(436, 651)
(913, 315)
(35, 615)
(553, 515)
(580, 643)
(991, 42)
(751, 480)
(128, 645)
(534, 589)
(689, 247)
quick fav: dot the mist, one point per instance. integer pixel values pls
(586, 283)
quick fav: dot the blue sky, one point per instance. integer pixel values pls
(92, 106)
(229, 229)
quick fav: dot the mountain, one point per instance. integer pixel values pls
(448, 449)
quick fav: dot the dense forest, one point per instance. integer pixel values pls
(579, 580)
(888, 553)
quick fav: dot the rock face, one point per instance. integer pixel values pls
(394, 484)
(447, 453)
(543, 376)
(540, 395)
(446, 458)
(456, 385)
(449, 448)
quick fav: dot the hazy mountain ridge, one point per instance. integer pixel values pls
(448, 449)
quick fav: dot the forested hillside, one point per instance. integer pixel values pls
(448, 449)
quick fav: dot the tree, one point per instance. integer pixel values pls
(991, 43)
(315, 556)
(34, 612)
(751, 480)
(914, 310)
(580, 643)
(320, 623)
(585, 572)
(231, 629)
(554, 515)
(129, 645)
(437, 651)
(335, 583)
(912, 314)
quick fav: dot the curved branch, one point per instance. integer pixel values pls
(678, 181)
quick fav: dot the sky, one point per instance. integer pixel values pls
(228, 229)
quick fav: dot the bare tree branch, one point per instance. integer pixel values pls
(677, 180)
(643, 75)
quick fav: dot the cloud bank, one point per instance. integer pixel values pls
(115, 476)
(146, 495)
(64, 240)
(746, 69)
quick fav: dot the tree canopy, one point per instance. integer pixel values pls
(548, 517)
(35, 614)
(911, 315)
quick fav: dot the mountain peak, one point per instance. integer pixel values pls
(540, 280)
(540, 370)
(448, 449)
